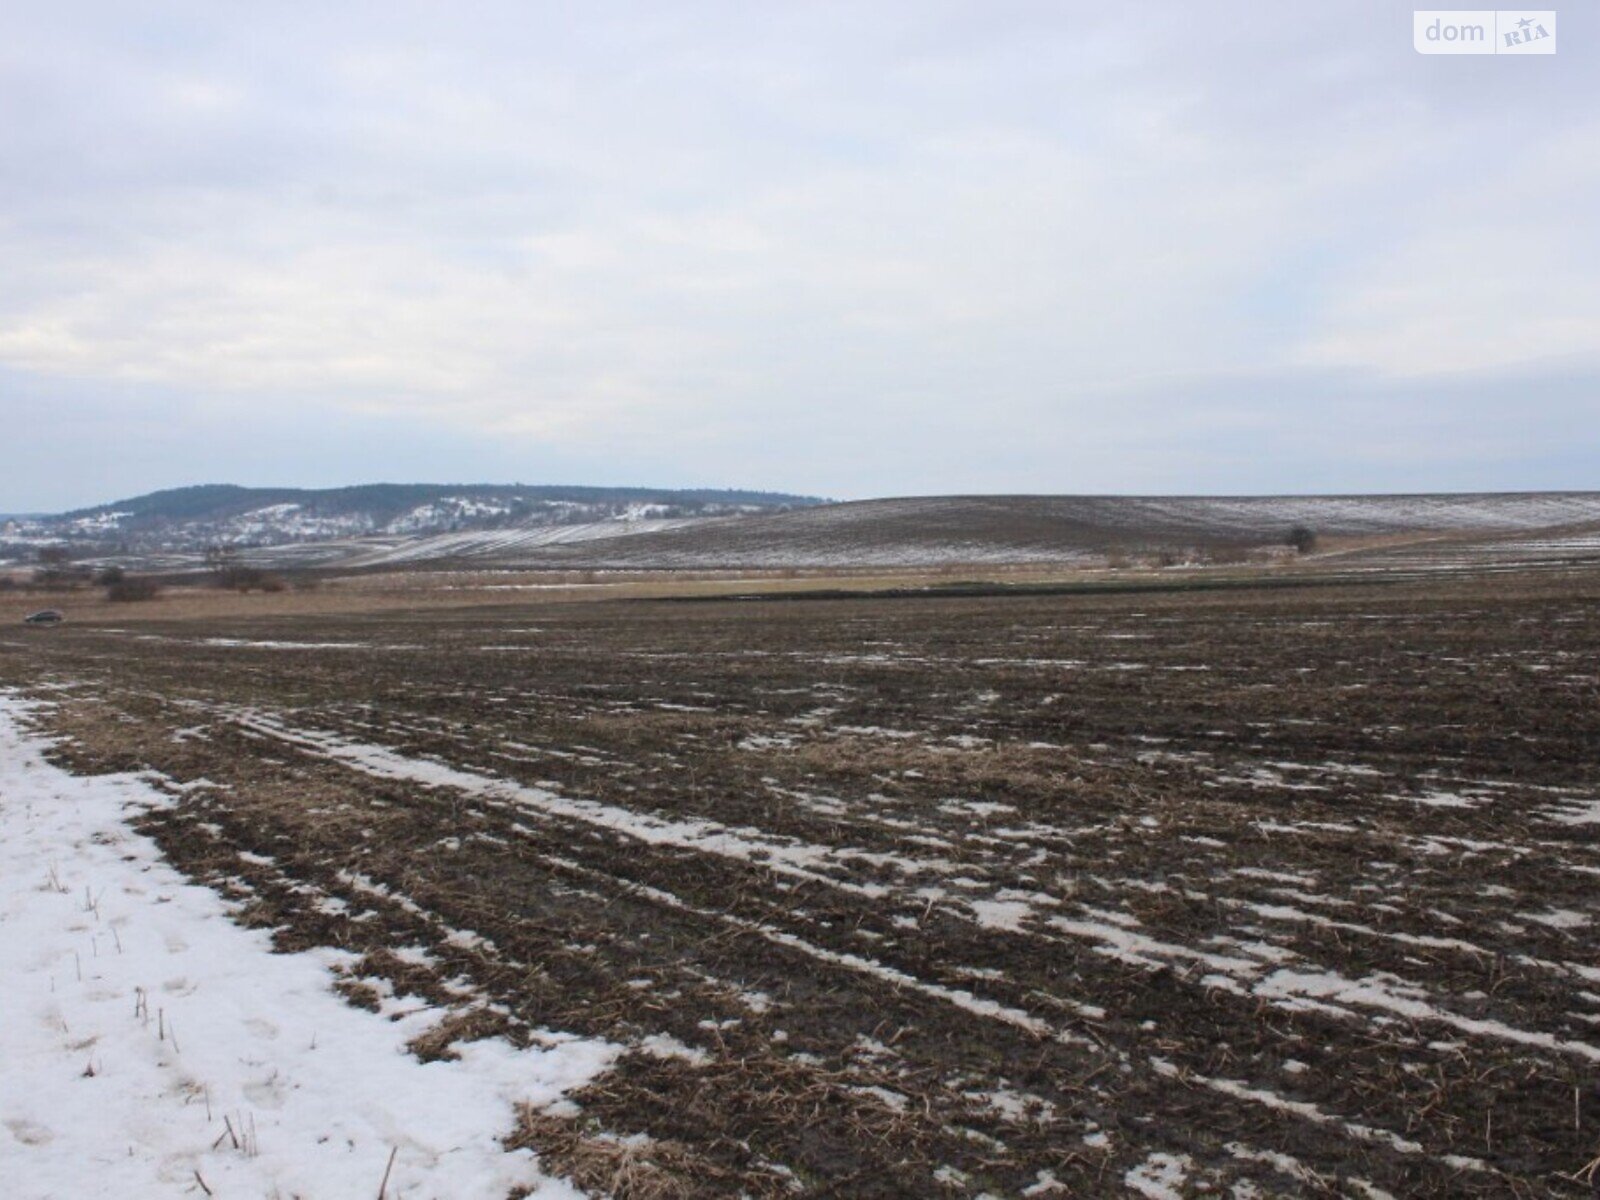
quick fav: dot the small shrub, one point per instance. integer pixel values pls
(110, 575)
(130, 590)
(239, 579)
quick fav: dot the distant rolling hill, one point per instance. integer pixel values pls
(1065, 529)
(512, 527)
(979, 530)
(184, 521)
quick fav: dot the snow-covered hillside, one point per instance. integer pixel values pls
(149, 529)
(1048, 529)
(700, 531)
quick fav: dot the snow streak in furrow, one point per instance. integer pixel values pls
(1309, 1112)
(700, 836)
(1289, 989)
(787, 857)
(1306, 987)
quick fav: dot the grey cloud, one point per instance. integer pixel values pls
(840, 248)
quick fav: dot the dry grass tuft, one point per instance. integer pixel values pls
(464, 1025)
(631, 1169)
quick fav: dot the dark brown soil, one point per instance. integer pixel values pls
(935, 897)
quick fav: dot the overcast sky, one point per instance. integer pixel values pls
(853, 249)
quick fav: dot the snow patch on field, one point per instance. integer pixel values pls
(1001, 914)
(150, 1044)
(1437, 799)
(1576, 812)
(1558, 918)
(275, 645)
(1160, 1177)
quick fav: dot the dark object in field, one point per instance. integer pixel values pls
(232, 575)
(130, 590)
(48, 616)
(1303, 538)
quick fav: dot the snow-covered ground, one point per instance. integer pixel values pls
(151, 1047)
(496, 544)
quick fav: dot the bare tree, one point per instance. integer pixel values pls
(226, 570)
(55, 568)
